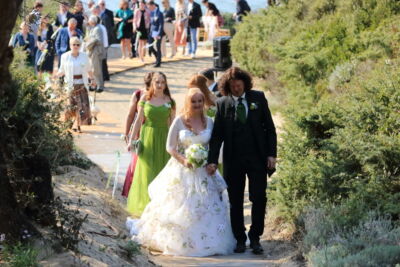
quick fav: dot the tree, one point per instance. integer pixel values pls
(11, 219)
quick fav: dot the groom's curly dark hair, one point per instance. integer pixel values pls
(234, 73)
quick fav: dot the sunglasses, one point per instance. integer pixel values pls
(76, 45)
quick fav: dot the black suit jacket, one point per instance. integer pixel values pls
(58, 22)
(107, 19)
(242, 8)
(196, 14)
(260, 120)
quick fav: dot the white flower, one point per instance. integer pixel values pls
(197, 155)
(253, 106)
(167, 105)
(2, 237)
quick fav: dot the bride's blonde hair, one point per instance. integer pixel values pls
(187, 111)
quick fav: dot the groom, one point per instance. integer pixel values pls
(244, 124)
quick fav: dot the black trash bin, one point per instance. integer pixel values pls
(222, 53)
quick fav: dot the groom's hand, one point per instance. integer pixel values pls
(271, 163)
(211, 168)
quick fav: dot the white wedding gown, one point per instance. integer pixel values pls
(188, 214)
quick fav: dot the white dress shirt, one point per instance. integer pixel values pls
(244, 101)
(190, 7)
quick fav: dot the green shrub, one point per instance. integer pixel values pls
(331, 240)
(19, 255)
(37, 118)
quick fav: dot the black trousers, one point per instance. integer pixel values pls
(104, 66)
(156, 49)
(235, 177)
(133, 43)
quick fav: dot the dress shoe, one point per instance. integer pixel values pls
(99, 90)
(240, 247)
(91, 88)
(257, 248)
(157, 65)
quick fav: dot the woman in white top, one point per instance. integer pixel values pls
(188, 214)
(76, 69)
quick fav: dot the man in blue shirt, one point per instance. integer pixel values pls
(63, 37)
(156, 29)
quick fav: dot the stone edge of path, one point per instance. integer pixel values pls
(141, 65)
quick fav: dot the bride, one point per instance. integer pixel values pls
(188, 214)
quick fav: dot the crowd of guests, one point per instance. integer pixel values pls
(138, 25)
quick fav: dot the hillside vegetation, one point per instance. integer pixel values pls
(335, 65)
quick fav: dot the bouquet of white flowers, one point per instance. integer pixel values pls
(197, 155)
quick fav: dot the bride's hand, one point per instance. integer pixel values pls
(187, 164)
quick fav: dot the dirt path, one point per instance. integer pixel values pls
(101, 142)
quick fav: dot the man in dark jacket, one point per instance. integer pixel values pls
(63, 16)
(194, 15)
(244, 124)
(242, 8)
(107, 19)
(63, 37)
(156, 29)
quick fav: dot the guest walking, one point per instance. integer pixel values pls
(133, 109)
(25, 40)
(63, 16)
(107, 20)
(211, 83)
(157, 110)
(45, 44)
(124, 18)
(156, 29)
(181, 25)
(242, 9)
(63, 38)
(134, 4)
(79, 15)
(141, 25)
(169, 18)
(75, 67)
(194, 15)
(96, 51)
(200, 81)
(34, 19)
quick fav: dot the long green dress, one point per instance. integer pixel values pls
(152, 158)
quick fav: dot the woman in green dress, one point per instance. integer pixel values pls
(157, 110)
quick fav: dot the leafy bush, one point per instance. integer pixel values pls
(341, 138)
(36, 117)
(19, 255)
(372, 241)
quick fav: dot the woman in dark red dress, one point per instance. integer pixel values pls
(129, 122)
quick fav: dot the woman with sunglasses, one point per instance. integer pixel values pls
(76, 69)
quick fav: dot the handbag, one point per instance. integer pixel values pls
(137, 146)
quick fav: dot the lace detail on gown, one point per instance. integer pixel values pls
(188, 214)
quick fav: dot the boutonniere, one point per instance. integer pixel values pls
(167, 105)
(253, 106)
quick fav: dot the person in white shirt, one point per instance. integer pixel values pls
(76, 69)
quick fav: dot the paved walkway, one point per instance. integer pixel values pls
(102, 140)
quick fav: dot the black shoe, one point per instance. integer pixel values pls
(257, 248)
(240, 247)
(157, 65)
(91, 89)
(99, 90)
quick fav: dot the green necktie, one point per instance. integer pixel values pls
(241, 111)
